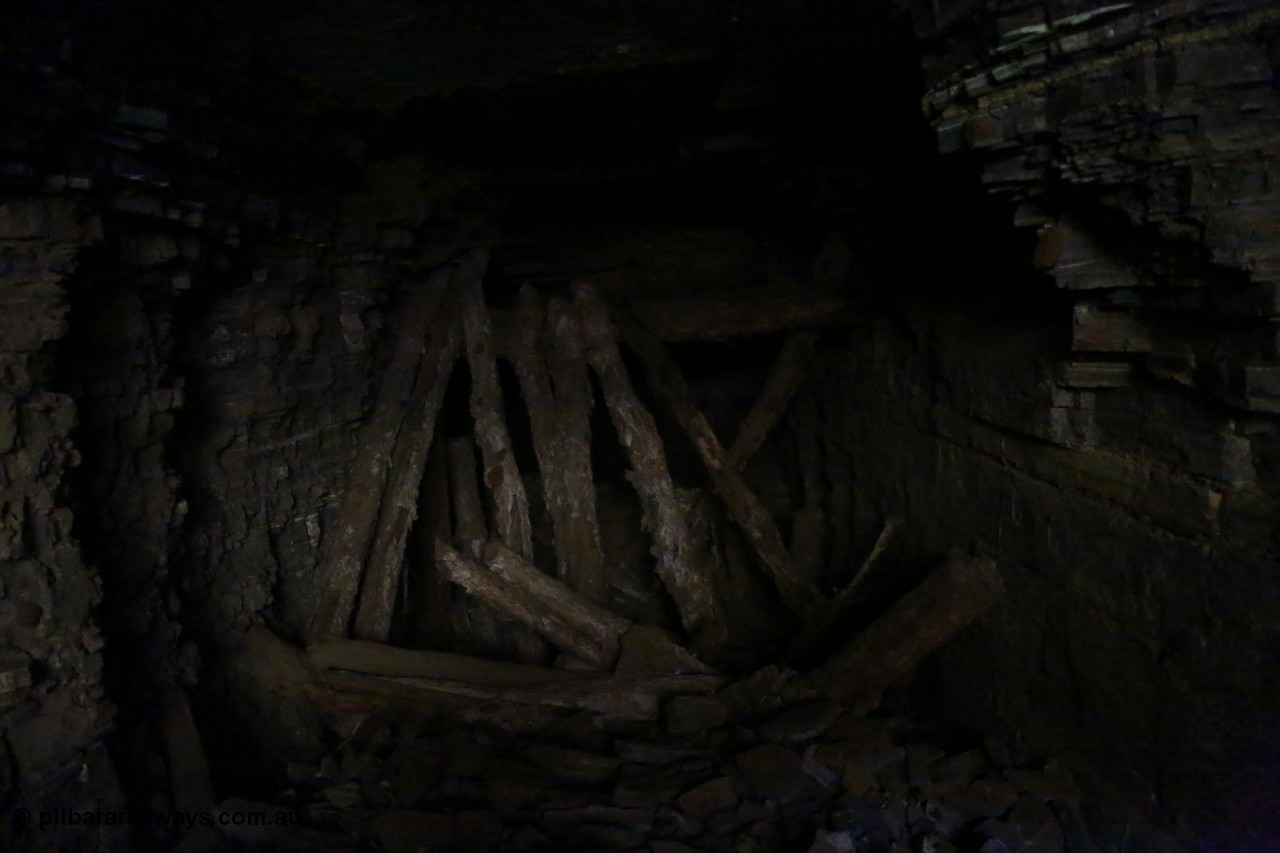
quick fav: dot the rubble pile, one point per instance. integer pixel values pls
(757, 766)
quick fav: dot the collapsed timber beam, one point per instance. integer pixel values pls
(356, 677)
(946, 601)
(576, 625)
(589, 634)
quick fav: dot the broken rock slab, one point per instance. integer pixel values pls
(775, 772)
(801, 722)
(717, 795)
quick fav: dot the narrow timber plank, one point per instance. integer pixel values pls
(379, 659)
(559, 418)
(501, 476)
(556, 596)
(773, 399)
(567, 361)
(400, 497)
(343, 557)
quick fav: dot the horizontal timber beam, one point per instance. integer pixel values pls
(726, 314)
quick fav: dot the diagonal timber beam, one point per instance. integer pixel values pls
(400, 499)
(694, 593)
(948, 600)
(480, 624)
(771, 404)
(576, 625)
(572, 624)
(567, 362)
(501, 476)
(742, 504)
(829, 614)
(546, 351)
(346, 546)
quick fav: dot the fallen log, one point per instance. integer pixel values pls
(698, 508)
(598, 646)
(379, 659)
(949, 599)
(693, 593)
(650, 651)
(356, 677)
(614, 697)
(859, 578)
(742, 504)
(575, 624)
(400, 499)
(535, 387)
(771, 404)
(342, 560)
(552, 594)
(483, 624)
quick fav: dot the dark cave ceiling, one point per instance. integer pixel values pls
(378, 54)
(572, 121)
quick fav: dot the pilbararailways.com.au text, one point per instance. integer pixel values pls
(49, 818)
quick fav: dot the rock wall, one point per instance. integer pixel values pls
(1105, 426)
(53, 712)
(187, 327)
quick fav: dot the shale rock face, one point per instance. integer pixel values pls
(1116, 437)
(1136, 141)
(52, 710)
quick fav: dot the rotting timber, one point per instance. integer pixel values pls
(445, 636)
(574, 651)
